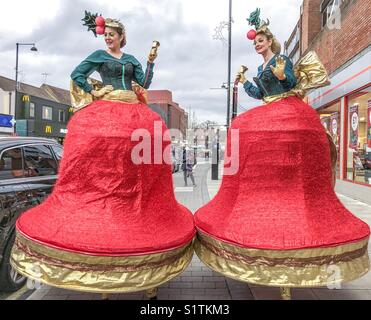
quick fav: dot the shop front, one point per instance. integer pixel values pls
(345, 112)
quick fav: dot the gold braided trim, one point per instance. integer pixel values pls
(96, 273)
(291, 268)
(291, 261)
(82, 266)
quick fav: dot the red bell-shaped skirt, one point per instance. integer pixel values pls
(111, 224)
(277, 221)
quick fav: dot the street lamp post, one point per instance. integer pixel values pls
(219, 36)
(33, 48)
(229, 63)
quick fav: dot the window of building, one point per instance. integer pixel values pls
(294, 41)
(11, 164)
(330, 118)
(328, 9)
(359, 137)
(62, 116)
(4, 107)
(296, 56)
(32, 110)
(47, 113)
(39, 161)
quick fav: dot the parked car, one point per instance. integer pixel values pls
(28, 172)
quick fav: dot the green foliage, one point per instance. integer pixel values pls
(254, 19)
(89, 21)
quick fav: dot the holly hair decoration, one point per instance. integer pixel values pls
(90, 21)
(255, 20)
(97, 24)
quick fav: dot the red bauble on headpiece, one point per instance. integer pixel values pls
(251, 35)
(101, 24)
(99, 30)
(100, 21)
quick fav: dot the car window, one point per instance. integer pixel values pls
(39, 161)
(58, 151)
(11, 164)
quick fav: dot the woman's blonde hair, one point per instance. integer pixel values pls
(276, 46)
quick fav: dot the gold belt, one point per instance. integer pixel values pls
(126, 96)
(279, 97)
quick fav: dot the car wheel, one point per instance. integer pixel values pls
(10, 279)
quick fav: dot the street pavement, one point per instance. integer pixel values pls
(198, 282)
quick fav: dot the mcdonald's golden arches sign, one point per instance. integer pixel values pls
(48, 129)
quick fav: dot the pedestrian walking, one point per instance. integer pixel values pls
(188, 165)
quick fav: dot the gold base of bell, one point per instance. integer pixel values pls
(285, 268)
(97, 274)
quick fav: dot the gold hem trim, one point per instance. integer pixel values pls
(106, 275)
(278, 274)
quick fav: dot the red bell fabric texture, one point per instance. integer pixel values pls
(282, 197)
(103, 203)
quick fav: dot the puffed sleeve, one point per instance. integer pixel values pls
(143, 79)
(290, 81)
(252, 90)
(84, 70)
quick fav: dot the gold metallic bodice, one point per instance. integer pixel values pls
(80, 99)
(311, 74)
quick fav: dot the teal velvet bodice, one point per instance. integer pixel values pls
(267, 83)
(116, 72)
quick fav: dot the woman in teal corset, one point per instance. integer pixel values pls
(112, 223)
(276, 76)
(117, 69)
(277, 221)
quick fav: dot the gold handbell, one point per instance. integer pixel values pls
(242, 71)
(155, 47)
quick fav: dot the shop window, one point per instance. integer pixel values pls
(330, 119)
(359, 137)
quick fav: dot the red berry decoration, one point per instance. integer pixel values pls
(251, 35)
(99, 30)
(100, 22)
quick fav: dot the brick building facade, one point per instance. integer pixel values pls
(340, 32)
(176, 117)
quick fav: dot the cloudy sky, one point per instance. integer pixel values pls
(190, 63)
